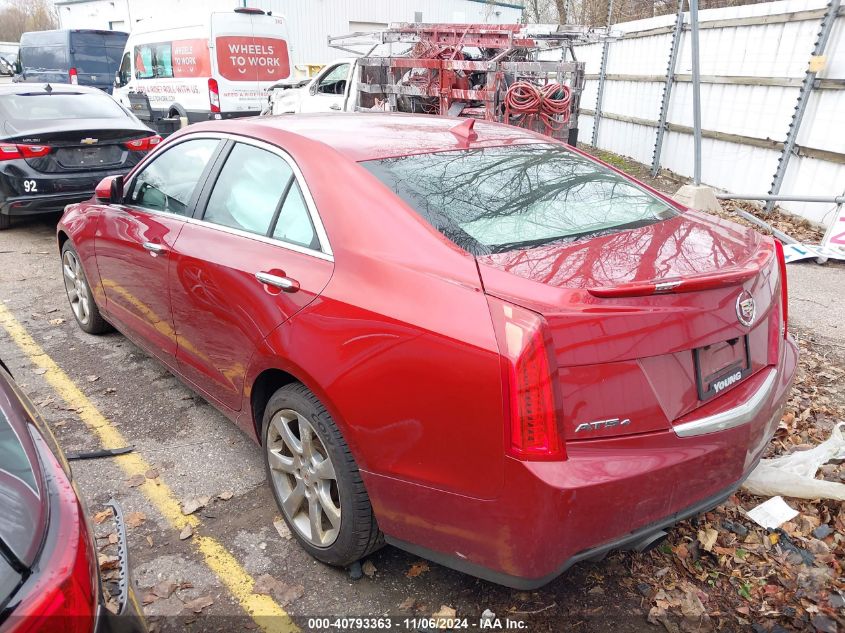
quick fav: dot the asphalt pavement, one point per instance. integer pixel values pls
(98, 390)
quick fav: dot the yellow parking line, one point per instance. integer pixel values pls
(267, 614)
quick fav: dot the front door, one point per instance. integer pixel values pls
(328, 92)
(135, 239)
(253, 260)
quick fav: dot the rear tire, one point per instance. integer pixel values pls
(316, 482)
(79, 295)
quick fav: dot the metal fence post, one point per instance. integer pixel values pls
(667, 89)
(602, 74)
(696, 90)
(825, 28)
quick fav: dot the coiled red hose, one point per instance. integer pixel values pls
(549, 103)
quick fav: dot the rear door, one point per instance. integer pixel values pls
(251, 54)
(96, 57)
(256, 255)
(135, 239)
(44, 57)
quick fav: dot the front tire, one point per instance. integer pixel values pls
(82, 303)
(315, 479)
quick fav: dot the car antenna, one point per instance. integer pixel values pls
(464, 131)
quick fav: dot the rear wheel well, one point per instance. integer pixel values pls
(62, 239)
(268, 382)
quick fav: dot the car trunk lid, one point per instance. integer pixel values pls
(81, 144)
(644, 322)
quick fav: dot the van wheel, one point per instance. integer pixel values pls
(315, 479)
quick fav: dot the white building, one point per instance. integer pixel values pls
(309, 21)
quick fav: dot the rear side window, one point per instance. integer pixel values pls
(154, 61)
(40, 106)
(257, 192)
(249, 190)
(497, 199)
(169, 181)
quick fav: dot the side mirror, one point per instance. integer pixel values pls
(118, 80)
(313, 89)
(110, 190)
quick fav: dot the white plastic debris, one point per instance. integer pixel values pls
(794, 475)
(772, 513)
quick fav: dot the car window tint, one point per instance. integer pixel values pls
(168, 182)
(294, 224)
(335, 80)
(248, 190)
(42, 106)
(498, 199)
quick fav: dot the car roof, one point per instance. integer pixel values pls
(29, 88)
(367, 136)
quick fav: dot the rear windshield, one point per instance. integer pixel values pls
(44, 57)
(68, 105)
(498, 199)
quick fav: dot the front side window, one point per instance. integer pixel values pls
(169, 181)
(498, 199)
(125, 69)
(334, 81)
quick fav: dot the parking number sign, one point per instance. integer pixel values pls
(252, 58)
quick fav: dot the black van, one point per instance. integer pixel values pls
(79, 56)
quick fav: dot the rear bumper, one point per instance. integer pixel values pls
(34, 205)
(608, 493)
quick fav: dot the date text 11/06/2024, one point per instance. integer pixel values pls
(431, 623)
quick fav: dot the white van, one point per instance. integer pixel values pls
(212, 66)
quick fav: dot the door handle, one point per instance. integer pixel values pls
(334, 106)
(155, 249)
(285, 284)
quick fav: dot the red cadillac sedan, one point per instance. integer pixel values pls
(470, 341)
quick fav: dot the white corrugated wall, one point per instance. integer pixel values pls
(779, 50)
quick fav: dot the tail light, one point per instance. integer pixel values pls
(10, 151)
(214, 95)
(531, 405)
(64, 595)
(143, 144)
(73, 76)
(784, 294)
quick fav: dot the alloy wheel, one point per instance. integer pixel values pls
(304, 478)
(76, 287)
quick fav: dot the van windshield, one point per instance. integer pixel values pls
(497, 199)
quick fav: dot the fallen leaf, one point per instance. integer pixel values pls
(165, 588)
(102, 516)
(150, 540)
(282, 528)
(407, 604)
(186, 533)
(135, 480)
(134, 519)
(149, 598)
(418, 568)
(192, 505)
(108, 562)
(152, 473)
(226, 495)
(92, 378)
(283, 593)
(113, 538)
(444, 617)
(707, 537)
(369, 569)
(198, 604)
(39, 371)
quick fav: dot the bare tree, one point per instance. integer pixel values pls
(594, 12)
(20, 16)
